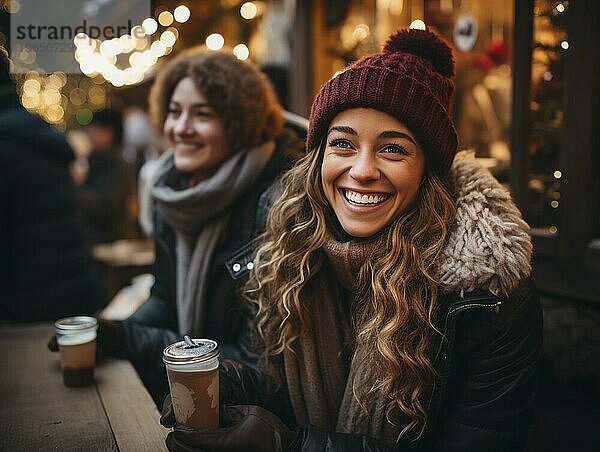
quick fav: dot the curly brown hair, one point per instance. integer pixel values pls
(238, 91)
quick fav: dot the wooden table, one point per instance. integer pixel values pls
(37, 412)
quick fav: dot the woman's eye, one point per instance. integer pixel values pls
(395, 149)
(173, 111)
(342, 144)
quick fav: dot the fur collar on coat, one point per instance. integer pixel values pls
(489, 246)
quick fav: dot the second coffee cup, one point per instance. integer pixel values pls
(76, 337)
(193, 372)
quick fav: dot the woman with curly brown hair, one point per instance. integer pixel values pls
(394, 304)
(227, 144)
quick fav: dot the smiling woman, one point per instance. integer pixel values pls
(392, 286)
(371, 171)
(195, 133)
(227, 144)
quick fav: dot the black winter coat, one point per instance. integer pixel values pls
(45, 265)
(490, 346)
(153, 326)
(483, 400)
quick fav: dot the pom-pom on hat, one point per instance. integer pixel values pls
(410, 80)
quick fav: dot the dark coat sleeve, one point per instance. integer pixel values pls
(490, 397)
(153, 326)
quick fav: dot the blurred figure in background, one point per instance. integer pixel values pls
(483, 107)
(45, 266)
(103, 188)
(141, 148)
(140, 141)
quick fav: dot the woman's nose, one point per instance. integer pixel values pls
(183, 124)
(364, 168)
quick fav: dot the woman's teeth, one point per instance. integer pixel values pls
(359, 198)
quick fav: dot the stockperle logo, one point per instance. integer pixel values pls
(43, 34)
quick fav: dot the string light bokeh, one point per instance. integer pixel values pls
(65, 100)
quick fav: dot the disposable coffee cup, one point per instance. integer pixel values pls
(193, 372)
(76, 337)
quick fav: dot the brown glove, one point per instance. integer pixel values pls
(247, 427)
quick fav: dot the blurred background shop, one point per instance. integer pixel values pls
(527, 103)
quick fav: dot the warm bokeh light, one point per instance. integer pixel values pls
(27, 56)
(169, 38)
(30, 102)
(133, 58)
(96, 95)
(215, 41)
(31, 86)
(418, 24)
(55, 113)
(55, 81)
(241, 51)
(111, 48)
(557, 174)
(13, 6)
(165, 18)
(158, 48)
(138, 32)
(117, 78)
(148, 59)
(132, 76)
(564, 45)
(77, 96)
(82, 40)
(144, 54)
(181, 13)
(128, 43)
(149, 25)
(87, 67)
(174, 31)
(248, 10)
(361, 32)
(51, 96)
(141, 44)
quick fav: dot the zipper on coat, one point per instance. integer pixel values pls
(495, 305)
(467, 305)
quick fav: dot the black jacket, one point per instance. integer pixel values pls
(153, 326)
(45, 264)
(490, 346)
(483, 400)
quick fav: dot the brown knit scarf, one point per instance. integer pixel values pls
(324, 371)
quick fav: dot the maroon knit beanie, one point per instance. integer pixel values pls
(410, 80)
